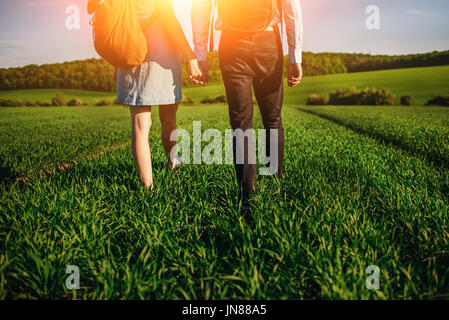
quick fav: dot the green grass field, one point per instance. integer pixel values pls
(37, 138)
(420, 83)
(45, 95)
(364, 186)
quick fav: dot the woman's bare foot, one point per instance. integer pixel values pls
(151, 190)
(176, 163)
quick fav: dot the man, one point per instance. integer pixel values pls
(251, 57)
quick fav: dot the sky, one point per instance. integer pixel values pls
(35, 32)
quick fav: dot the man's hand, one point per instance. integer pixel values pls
(204, 67)
(294, 74)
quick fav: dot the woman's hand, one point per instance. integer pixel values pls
(195, 72)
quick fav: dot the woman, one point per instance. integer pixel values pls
(156, 82)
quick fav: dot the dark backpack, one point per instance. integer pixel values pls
(247, 15)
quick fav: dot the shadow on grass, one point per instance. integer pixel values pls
(401, 232)
(6, 174)
(433, 158)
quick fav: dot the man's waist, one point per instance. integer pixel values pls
(219, 25)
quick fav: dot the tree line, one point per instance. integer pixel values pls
(97, 75)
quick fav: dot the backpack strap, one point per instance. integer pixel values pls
(211, 26)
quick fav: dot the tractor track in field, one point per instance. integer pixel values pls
(433, 159)
(62, 167)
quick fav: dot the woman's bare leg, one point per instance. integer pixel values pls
(141, 124)
(167, 115)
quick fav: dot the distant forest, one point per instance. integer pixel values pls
(97, 75)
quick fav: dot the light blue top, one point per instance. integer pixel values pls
(158, 81)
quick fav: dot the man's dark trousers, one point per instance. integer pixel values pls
(250, 61)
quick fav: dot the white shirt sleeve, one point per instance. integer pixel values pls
(294, 28)
(201, 19)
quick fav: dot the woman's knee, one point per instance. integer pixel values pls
(142, 123)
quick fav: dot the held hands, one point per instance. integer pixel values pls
(195, 73)
(204, 66)
(294, 74)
